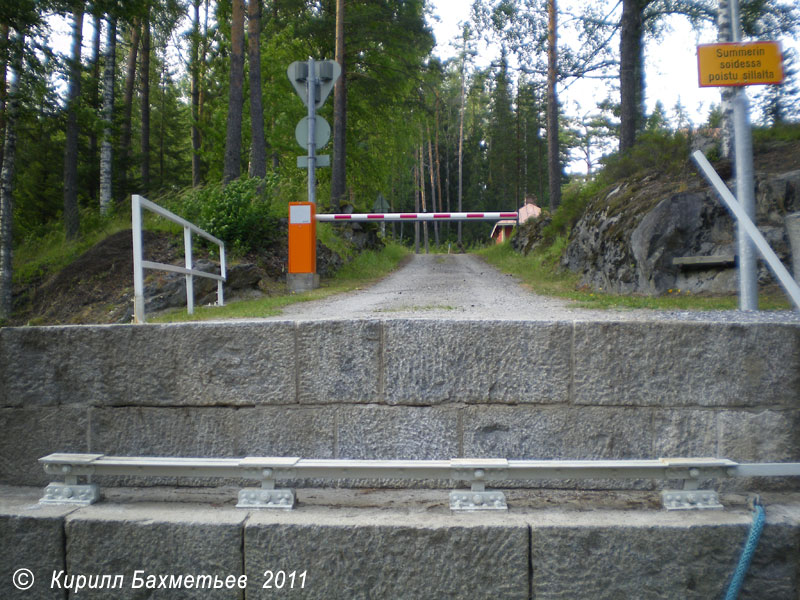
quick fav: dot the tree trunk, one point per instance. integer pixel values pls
(145, 102)
(553, 158)
(258, 143)
(3, 92)
(71, 214)
(7, 177)
(438, 167)
(422, 192)
(433, 184)
(127, 101)
(631, 78)
(518, 151)
(461, 133)
(94, 101)
(162, 123)
(338, 168)
(106, 148)
(202, 93)
(232, 168)
(144, 78)
(725, 34)
(416, 204)
(195, 92)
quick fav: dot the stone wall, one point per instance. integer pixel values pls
(413, 389)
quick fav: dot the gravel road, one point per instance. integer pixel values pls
(462, 286)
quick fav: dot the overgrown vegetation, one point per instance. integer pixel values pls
(540, 272)
(660, 151)
(49, 251)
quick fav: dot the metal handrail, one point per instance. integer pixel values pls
(476, 471)
(137, 204)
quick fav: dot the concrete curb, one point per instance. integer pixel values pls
(411, 548)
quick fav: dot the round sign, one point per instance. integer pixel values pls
(322, 132)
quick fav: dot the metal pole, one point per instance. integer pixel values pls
(745, 186)
(187, 248)
(222, 271)
(138, 275)
(311, 84)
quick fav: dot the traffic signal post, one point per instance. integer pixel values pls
(313, 81)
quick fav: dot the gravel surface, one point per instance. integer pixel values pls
(462, 286)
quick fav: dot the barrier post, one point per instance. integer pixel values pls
(302, 276)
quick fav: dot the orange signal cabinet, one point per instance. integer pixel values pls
(302, 237)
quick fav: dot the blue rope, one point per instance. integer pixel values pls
(747, 553)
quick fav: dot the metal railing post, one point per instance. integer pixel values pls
(138, 270)
(187, 248)
(222, 269)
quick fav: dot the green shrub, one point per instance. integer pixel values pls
(655, 151)
(239, 213)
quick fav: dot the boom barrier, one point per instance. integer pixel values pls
(452, 216)
(303, 218)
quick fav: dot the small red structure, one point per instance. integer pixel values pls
(503, 229)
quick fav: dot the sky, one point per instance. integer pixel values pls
(670, 66)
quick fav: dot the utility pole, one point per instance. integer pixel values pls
(745, 186)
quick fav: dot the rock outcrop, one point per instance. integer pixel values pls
(627, 240)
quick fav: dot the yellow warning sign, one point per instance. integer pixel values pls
(745, 63)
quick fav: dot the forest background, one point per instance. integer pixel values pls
(187, 102)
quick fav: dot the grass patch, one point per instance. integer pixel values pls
(50, 251)
(327, 235)
(783, 132)
(539, 271)
(364, 270)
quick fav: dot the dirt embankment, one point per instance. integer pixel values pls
(98, 286)
(95, 288)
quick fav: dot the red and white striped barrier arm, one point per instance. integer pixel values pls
(457, 216)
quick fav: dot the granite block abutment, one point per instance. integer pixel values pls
(400, 389)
